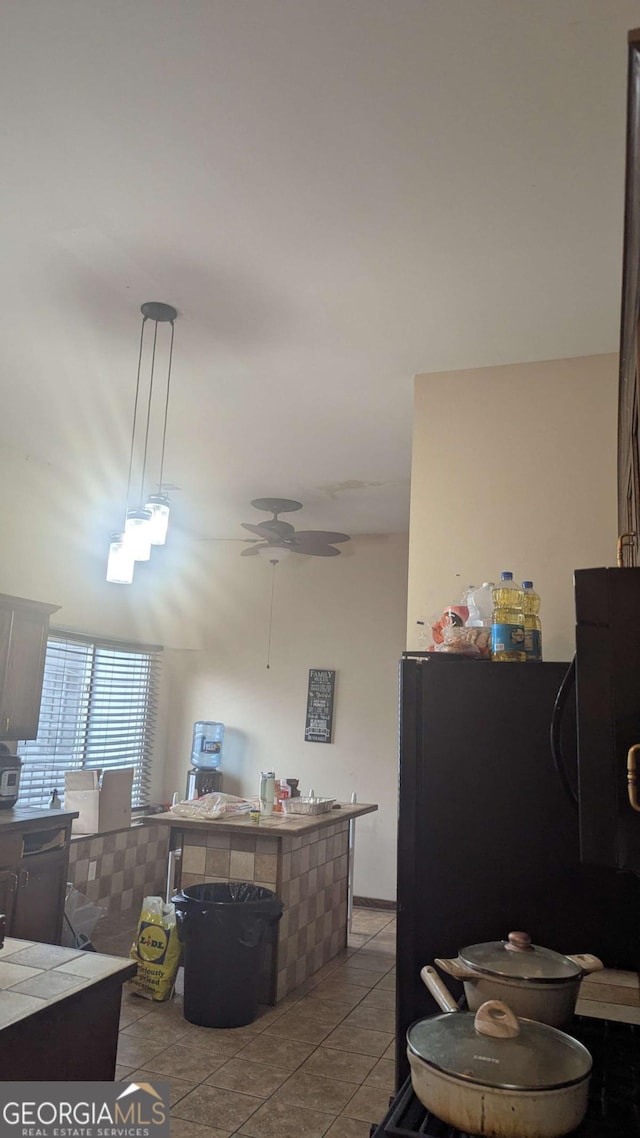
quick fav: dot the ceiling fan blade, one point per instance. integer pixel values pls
(269, 530)
(255, 529)
(313, 550)
(320, 536)
(278, 529)
(252, 550)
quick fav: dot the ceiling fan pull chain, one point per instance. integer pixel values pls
(273, 583)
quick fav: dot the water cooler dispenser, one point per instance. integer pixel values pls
(205, 776)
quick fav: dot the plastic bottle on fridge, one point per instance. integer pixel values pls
(480, 604)
(532, 625)
(507, 621)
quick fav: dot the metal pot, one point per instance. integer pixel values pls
(495, 1075)
(535, 982)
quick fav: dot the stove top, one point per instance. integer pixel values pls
(614, 1090)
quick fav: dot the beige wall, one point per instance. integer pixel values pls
(513, 468)
(210, 610)
(346, 614)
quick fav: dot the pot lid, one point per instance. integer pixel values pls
(539, 1057)
(517, 958)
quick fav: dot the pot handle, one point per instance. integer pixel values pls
(586, 962)
(455, 968)
(438, 989)
(497, 1020)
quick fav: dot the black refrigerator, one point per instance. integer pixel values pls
(488, 835)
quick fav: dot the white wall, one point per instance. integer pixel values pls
(347, 614)
(209, 608)
(513, 468)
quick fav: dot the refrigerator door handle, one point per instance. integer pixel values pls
(625, 541)
(555, 732)
(632, 776)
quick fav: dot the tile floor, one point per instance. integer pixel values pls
(320, 1063)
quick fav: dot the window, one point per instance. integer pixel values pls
(98, 709)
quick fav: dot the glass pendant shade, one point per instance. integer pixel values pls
(159, 506)
(121, 564)
(274, 552)
(138, 534)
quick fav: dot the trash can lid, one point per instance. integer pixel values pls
(228, 893)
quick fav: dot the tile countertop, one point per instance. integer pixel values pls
(34, 976)
(275, 825)
(33, 815)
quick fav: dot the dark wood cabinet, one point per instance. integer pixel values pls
(72, 1040)
(8, 889)
(39, 900)
(628, 400)
(34, 862)
(24, 626)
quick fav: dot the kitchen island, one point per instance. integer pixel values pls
(303, 859)
(59, 1012)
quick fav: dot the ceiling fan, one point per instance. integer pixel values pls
(278, 536)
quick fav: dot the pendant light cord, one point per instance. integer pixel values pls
(146, 433)
(273, 583)
(135, 415)
(166, 408)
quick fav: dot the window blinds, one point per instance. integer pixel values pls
(98, 709)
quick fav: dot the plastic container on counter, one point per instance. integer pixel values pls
(206, 749)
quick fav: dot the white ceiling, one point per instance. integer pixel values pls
(335, 194)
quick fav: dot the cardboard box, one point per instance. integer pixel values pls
(102, 804)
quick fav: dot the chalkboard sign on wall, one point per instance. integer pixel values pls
(319, 725)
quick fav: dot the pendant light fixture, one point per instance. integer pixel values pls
(146, 522)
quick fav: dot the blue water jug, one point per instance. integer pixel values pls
(206, 749)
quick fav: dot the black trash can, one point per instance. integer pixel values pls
(223, 929)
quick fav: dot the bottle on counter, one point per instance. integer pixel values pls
(267, 791)
(532, 624)
(282, 792)
(206, 747)
(54, 801)
(507, 621)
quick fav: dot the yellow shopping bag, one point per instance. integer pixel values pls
(156, 950)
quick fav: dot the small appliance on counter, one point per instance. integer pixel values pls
(205, 776)
(10, 766)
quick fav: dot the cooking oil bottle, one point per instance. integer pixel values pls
(532, 625)
(507, 621)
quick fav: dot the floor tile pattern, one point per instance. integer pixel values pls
(320, 1064)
